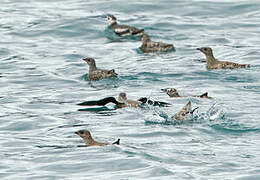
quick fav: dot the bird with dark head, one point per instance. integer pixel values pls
(111, 19)
(123, 30)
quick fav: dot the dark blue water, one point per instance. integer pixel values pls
(42, 77)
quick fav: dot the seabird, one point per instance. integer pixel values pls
(86, 136)
(172, 92)
(213, 63)
(123, 30)
(95, 74)
(185, 113)
(122, 101)
(149, 46)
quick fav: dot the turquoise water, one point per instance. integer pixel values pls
(43, 77)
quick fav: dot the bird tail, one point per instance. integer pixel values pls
(204, 95)
(112, 71)
(194, 110)
(117, 142)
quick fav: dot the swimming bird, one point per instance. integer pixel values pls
(149, 46)
(185, 113)
(145, 100)
(172, 92)
(122, 98)
(95, 74)
(122, 101)
(213, 63)
(86, 136)
(123, 30)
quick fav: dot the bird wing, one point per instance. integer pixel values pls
(161, 104)
(152, 44)
(135, 30)
(153, 103)
(102, 73)
(125, 30)
(205, 95)
(228, 65)
(101, 102)
(122, 30)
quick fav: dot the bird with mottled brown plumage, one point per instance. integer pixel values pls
(125, 102)
(213, 63)
(95, 74)
(86, 136)
(186, 113)
(149, 46)
(173, 93)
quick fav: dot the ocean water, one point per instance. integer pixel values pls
(43, 77)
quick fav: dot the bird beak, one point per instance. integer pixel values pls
(86, 60)
(76, 132)
(198, 49)
(163, 90)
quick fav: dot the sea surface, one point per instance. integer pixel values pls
(43, 77)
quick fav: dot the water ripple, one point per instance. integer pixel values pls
(43, 77)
